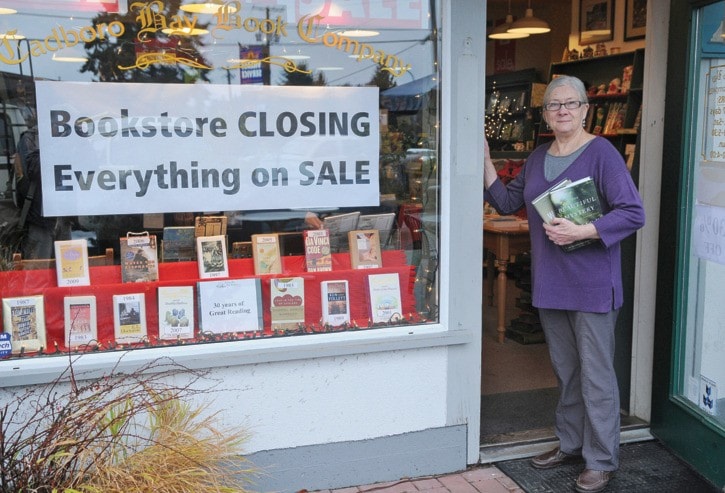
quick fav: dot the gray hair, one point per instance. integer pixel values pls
(566, 80)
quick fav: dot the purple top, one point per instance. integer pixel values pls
(588, 279)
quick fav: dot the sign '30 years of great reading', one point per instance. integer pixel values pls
(142, 148)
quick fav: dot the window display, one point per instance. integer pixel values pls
(252, 168)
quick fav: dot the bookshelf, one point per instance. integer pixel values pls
(513, 108)
(613, 114)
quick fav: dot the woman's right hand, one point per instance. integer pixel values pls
(489, 170)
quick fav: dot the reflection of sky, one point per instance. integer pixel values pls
(407, 44)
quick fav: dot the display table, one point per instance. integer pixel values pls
(504, 237)
(106, 281)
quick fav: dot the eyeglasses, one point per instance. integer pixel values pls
(570, 105)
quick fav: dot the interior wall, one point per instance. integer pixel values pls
(539, 51)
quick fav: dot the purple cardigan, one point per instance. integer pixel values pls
(588, 279)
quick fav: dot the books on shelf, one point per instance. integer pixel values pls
(176, 312)
(385, 301)
(178, 244)
(335, 297)
(24, 320)
(139, 258)
(81, 326)
(231, 305)
(210, 225)
(365, 249)
(543, 204)
(287, 302)
(266, 254)
(71, 262)
(212, 257)
(318, 256)
(153, 221)
(578, 202)
(129, 317)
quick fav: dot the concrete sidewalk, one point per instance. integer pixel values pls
(477, 479)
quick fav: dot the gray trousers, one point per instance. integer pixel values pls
(581, 346)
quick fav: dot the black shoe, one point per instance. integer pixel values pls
(554, 458)
(591, 481)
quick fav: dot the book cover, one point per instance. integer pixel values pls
(318, 256)
(335, 299)
(139, 258)
(176, 312)
(210, 225)
(212, 259)
(578, 202)
(232, 305)
(266, 254)
(338, 226)
(179, 244)
(153, 221)
(242, 249)
(382, 222)
(129, 317)
(543, 204)
(71, 262)
(24, 320)
(385, 302)
(81, 328)
(287, 302)
(365, 249)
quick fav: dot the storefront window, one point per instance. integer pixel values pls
(702, 322)
(177, 160)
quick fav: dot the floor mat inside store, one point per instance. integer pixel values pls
(645, 467)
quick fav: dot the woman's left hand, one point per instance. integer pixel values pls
(563, 232)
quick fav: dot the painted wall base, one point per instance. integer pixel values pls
(343, 464)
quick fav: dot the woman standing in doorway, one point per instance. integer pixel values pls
(578, 293)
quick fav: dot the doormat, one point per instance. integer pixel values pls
(644, 467)
(513, 412)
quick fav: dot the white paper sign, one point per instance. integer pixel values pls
(112, 148)
(709, 233)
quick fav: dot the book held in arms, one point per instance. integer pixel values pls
(178, 244)
(231, 305)
(212, 253)
(71, 262)
(287, 302)
(543, 204)
(139, 258)
(365, 249)
(335, 298)
(129, 317)
(210, 225)
(176, 312)
(382, 222)
(385, 301)
(266, 254)
(578, 202)
(318, 256)
(81, 328)
(24, 320)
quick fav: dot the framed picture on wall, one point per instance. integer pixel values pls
(596, 21)
(635, 19)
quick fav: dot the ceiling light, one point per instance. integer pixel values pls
(69, 55)
(6, 10)
(12, 34)
(530, 24)
(210, 7)
(329, 69)
(501, 31)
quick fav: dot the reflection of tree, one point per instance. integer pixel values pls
(298, 77)
(383, 79)
(106, 55)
